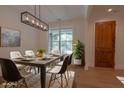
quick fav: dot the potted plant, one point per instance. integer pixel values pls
(40, 52)
(78, 53)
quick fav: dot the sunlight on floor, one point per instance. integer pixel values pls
(121, 79)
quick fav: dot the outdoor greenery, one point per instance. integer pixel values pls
(61, 40)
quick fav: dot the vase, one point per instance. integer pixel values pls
(40, 54)
(77, 61)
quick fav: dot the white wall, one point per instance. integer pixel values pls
(10, 18)
(76, 24)
(119, 42)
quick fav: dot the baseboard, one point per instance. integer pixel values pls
(121, 66)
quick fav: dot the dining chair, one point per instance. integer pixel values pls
(11, 75)
(55, 51)
(16, 55)
(58, 72)
(29, 53)
(69, 63)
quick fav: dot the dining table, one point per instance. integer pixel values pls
(41, 63)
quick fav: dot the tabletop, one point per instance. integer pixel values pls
(37, 61)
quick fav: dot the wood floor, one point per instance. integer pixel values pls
(97, 78)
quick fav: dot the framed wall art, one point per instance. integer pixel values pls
(9, 37)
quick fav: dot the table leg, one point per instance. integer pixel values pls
(43, 76)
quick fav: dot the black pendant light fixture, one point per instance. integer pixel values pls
(33, 20)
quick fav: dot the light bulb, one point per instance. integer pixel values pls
(44, 27)
(27, 18)
(37, 24)
(41, 26)
(32, 21)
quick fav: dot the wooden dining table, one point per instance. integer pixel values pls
(41, 63)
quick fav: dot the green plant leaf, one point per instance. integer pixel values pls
(78, 50)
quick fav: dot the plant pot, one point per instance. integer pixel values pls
(77, 61)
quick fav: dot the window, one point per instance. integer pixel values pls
(61, 39)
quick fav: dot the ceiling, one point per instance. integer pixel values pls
(53, 12)
(103, 9)
(65, 12)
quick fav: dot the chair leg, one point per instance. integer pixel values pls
(9, 85)
(30, 68)
(24, 82)
(6, 84)
(68, 74)
(66, 80)
(38, 69)
(50, 80)
(35, 70)
(17, 84)
(58, 81)
(61, 80)
(14, 85)
(54, 78)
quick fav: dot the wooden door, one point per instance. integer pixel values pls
(105, 44)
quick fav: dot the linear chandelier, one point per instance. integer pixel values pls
(34, 21)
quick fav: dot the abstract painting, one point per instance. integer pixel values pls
(9, 38)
